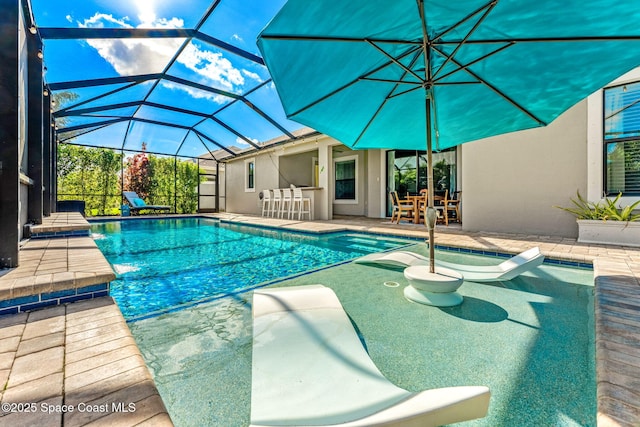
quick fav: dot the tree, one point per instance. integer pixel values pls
(137, 175)
(89, 174)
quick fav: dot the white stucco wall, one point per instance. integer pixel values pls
(512, 182)
(238, 198)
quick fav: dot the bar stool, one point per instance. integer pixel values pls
(285, 204)
(266, 202)
(276, 202)
(301, 205)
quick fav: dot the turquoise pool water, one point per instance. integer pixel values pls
(170, 263)
(531, 340)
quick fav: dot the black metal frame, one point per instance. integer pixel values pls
(188, 35)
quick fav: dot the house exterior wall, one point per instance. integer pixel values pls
(512, 182)
(238, 198)
(357, 208)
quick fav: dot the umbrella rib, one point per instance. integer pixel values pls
(351, 83)
(290, 37)
(404, 92)
(486, 13)
(475, 61)
(544, 39)
(371, 79)
(490, 5)
(386, 98)
(394, 60)
(498, 92)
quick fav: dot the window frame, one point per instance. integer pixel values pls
(250, 172)
(346, 159)
(606, 142)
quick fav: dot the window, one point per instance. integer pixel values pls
(250, 175)
(622, 139)
(345, 179)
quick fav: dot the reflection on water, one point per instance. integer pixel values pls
(531, 340)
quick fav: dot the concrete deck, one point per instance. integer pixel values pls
(617, 295)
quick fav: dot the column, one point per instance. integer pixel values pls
(34, 127)
(9, 133)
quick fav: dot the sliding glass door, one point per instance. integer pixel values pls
(407, 172)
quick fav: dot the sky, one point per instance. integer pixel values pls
(237, 22)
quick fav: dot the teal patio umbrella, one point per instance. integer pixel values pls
(438, 73)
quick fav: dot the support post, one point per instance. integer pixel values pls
(34, 127)
(10, 103)
(47, 159)
(218, 186)
(54, 169)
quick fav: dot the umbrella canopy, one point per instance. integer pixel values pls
(404, 73)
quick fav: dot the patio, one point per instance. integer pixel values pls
(94, 338)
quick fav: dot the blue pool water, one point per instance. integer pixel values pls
(164, 264)
(530, 340)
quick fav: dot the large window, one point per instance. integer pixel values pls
(622, 139)
(345, 181)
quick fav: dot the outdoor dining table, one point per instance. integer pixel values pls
(419, 201)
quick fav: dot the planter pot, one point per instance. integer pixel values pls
(609, 232)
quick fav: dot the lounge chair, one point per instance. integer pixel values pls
(506, 270)
(137, 204)
(310, 368)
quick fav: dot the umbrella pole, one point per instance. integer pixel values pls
(430, 214)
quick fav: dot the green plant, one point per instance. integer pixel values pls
(605, 210)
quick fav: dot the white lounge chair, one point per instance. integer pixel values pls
(506, 270)
(310, 368)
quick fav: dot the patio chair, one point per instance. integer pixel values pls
(138, 205)
(285, 203)
(400, 207)
(266, 202)
(506, 270)
(453, 207)
(301, 205)
(276, 202)
(309, 367)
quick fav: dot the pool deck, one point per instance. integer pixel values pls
(78, 350)
(83, 353)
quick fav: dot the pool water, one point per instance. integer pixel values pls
(169, 263)
(530, 339)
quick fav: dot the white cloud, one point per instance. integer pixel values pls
(196, 93)
(213, 66)
(143, 56)
(242, 143)
(69, 18)
(236, 37)
(252, 75)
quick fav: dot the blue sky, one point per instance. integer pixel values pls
(237, 22)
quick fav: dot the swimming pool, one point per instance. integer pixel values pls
(165, 264)
(530, 339)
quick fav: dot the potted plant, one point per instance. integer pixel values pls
(606, 221)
